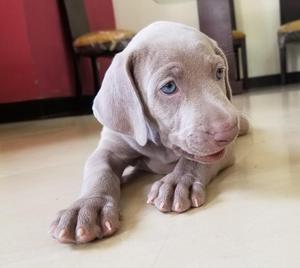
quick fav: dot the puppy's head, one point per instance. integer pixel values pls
(170, 86)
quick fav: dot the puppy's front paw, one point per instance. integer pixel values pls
(86, 220)
(169, 194)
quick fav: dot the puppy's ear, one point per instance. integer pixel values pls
(117, 104)
(219, 51)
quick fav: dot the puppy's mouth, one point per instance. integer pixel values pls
(210, 157)
(206, 159)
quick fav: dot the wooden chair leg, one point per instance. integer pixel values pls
(78, 85)
(244, 64)
(95, 74)
(282, 53)
(237, 62)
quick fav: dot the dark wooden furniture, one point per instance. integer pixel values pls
(83, 43)
(288, 32)
(215, 21)
(239, 43)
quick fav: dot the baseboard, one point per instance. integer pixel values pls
(38, 109)
(272, 80)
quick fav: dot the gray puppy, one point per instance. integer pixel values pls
(165, 107)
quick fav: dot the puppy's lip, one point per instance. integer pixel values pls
(208, 158)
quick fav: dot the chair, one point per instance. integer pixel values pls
(288, 32)
(83, 43)
(239, 42)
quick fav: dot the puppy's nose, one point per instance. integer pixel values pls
(225, 137)
(221, 124)
(224, 128)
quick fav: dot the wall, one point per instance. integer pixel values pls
(16, 66)
(35, 59)
(135, 14)
(259, 21)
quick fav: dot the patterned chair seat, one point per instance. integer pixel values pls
(100, 42)
(238, 35)
(289, 32)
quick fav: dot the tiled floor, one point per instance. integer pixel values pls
(251, 218)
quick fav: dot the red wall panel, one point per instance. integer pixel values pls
(16, 67)
(100, 14)
(34, 61)
(49, 53)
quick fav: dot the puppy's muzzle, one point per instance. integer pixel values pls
(225, 137)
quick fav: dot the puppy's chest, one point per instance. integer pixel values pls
(159, 159)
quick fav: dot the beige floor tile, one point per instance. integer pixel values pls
(251, 218)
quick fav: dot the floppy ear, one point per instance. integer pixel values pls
(117, 104)
(219, 51)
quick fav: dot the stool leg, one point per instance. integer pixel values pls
(282, 52)
(237, 61)
(78, 84)
(95, 73)
(76, 64)
(244, 63)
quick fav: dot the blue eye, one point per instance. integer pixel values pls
(169, 88)
(219, 73)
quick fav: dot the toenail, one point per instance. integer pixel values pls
(162, 206)
(177, 206)
(195, 201)
(80, 232)
(108, 225)
(51, 229)
(149, 201)
(62, 233)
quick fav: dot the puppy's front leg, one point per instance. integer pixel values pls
(184, 187)
(96, 213)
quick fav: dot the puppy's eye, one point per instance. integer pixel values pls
(169, 88)
(219, 73)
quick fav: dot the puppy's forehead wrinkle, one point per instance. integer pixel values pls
(212, 59)
(170, 69)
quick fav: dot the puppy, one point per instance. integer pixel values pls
(165, 104)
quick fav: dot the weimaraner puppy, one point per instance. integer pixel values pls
(165, 104)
